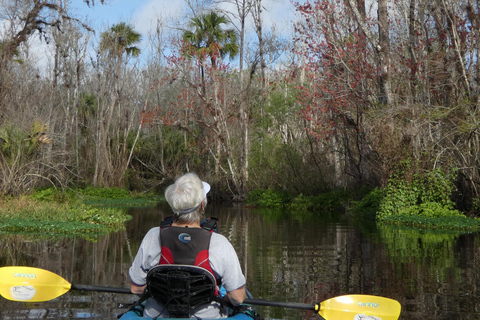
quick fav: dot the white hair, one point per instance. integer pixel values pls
(185, 197)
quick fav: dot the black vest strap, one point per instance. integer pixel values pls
(167, 222)
(209, 224)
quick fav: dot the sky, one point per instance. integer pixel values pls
(143, 14)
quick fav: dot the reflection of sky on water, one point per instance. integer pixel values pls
(291, 258)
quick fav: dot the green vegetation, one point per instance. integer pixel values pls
(325, 202)
(409, 246)
(83, 212)
(97, 196)
(368, 206)
(428, 194)
(26, 215)
(452, 223)
(268, 198)
(421, 201)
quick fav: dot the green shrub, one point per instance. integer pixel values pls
(426, 195)
(96, 196)
(53, 194)
(268, 198)
(301, 203)
(437, 209)
(331, 201)
(368, 206)
(104, 193)
(325, 202)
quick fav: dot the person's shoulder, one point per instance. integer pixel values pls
(219, 238)
(155, 231)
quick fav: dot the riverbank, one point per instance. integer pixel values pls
(93, 211)
(70, 213)
(370, 204)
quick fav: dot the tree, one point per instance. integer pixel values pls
(204, 105)
(382, 46)
(120, 39)
(25, 18)
(246, 78)
(117, 44)
(208, 39)
(343, 80)
(34, 16)
(256, 8)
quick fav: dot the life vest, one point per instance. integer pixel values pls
(184, 279)
(187, 246)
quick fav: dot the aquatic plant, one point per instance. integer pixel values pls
(27, 215)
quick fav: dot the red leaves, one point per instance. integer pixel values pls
(338, 67)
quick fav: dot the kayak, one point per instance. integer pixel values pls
(17, 284)
(137, 313)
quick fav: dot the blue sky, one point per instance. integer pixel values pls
(144, 11)
(143, 14)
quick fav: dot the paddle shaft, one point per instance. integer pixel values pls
(291, 305)
(100, 289)
(258, 302)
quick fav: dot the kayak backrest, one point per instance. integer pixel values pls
(181, 288)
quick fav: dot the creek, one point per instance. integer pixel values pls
(286, 256)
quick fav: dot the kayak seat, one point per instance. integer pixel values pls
(181, 288)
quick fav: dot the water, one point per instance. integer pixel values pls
(290, 257)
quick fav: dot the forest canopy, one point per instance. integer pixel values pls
(359, 94)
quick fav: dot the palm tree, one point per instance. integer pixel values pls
(119, 39)
(118, 43)
(208, 39)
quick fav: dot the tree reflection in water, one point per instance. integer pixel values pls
(293, 257)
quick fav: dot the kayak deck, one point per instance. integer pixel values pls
(137, 313)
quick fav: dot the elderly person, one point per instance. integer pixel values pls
(187, 198)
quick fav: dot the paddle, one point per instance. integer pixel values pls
(35, 285)
(347, 307)
(30, 284)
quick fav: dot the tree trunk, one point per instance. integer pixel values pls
(412, 37)
(243, 112)
(257, 19)
(384, 42)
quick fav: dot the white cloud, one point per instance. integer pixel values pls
(279, 13)
(145, 18)
(276, 13)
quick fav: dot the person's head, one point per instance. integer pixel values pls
(188, 198)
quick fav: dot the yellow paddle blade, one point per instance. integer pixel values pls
(31, 284)
(360, 307)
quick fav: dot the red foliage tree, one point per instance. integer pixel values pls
(342, 82)
(200, 100)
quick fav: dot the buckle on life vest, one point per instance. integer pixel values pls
(210, 224)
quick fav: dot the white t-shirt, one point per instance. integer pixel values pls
(223, 260)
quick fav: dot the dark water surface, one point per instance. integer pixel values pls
(286, 257)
